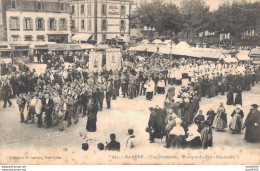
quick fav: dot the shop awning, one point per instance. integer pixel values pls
(5, 47)
(81, 37)
(58, 47)
(102, 46)
(86, 46)
(73, 47)
(41, 47)
(20, 47)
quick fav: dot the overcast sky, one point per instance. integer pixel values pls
(213, 4)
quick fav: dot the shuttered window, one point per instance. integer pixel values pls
(14, 23)
(89, 25)
(122, 25)
(62, 6)
(39, 24)
(13, 4)
(122, 10)
(72, 9)
(63, 24)
(39, 5)
(14, 38)
(89, 9)
(82, 9)
(82, 24)
(28, 38)
(104, 9)
(73, 24)
(40, 38)
(27, 24)
(52, 24)
(104, 25)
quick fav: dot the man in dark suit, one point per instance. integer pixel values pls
(113, 145)
(6, 90)
(49, 105)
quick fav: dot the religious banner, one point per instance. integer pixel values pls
(113, 59)
(95, 61)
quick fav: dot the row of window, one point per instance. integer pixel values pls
(39, 23)
(15, 38)
(39, 5)
(103, 25)
(82, 9)
(103, 9)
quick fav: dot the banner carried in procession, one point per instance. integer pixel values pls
(113, 59)
(95, 61)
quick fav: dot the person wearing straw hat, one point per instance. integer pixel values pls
(252, 125)
(236, 121)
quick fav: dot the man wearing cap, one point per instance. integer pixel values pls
(252, 125)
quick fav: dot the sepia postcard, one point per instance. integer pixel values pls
(129, 82)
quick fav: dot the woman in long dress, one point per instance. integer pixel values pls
(92, 116)
(177, 134)
(220, 121)
(237, 120)
(193, 140)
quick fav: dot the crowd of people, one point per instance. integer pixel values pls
(69, 93)
(183, 123)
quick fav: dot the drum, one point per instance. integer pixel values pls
(36, 106)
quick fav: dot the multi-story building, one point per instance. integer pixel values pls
(99, 20)
(37, 20)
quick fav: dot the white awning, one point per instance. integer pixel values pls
(81, 37)
(86, 46)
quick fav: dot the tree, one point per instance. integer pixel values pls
(195, 13)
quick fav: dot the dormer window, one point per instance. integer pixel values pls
(13, 4)
(39, 5)
(62, 6)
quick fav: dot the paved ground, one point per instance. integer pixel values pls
(123, 115)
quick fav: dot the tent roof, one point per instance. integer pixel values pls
(255, 52)
(81, 36)
(102, 46)
(145, 41)
(157, 41)
(243, 56)
(86, 46)
(151, 49)
(182, 45)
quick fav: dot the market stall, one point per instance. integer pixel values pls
(5, 52)
(20, 52)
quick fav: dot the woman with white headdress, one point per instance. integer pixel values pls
(237, 120)
(220, 121)
(177, 134)
(193, 140)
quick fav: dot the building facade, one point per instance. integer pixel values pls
(100, 20)
(38, 20)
